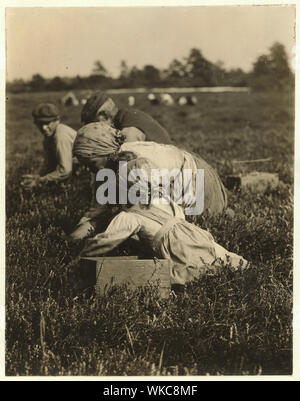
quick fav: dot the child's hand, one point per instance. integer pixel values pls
(91, 248)
(82, 231)
(30, 181)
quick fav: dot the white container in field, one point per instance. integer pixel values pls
(131, 101)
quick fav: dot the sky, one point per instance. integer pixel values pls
(67, 41)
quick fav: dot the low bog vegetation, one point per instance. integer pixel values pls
(230, 323)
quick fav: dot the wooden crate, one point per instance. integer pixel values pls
(105, 272)
(255, 181)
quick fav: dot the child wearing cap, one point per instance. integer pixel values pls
(58, 146)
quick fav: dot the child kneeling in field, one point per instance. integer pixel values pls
(58, 146)
(162, 227)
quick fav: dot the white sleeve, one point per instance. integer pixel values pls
(122, 227)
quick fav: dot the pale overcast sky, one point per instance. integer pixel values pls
(67, 41)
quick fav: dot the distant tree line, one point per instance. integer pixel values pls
(269, 72)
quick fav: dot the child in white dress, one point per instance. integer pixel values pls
(163, 228)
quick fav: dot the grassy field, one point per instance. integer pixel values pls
(230, 323)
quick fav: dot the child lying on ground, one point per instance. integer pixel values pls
(163, 228)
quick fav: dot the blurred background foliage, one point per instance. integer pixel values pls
(270, 72)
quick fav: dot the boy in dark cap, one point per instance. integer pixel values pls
(58, 146)
(134, 124)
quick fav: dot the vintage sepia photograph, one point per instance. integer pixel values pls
(149, 191)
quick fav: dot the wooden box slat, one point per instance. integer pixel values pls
(255, 181)
(105, 272)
